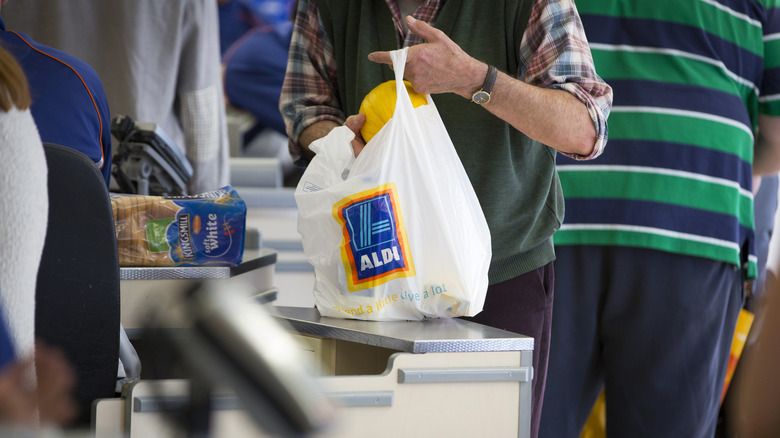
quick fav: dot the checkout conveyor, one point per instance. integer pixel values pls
(444, 377)
(144, 290)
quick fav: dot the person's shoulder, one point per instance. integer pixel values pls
(68, 60)
(37, 53)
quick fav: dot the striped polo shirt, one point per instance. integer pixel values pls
(688, 89)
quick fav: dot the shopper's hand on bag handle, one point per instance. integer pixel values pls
(439, 66)
(355, 123)
(549, 115)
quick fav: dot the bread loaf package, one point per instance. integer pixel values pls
(200, 230)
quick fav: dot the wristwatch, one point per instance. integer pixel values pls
(482, 96)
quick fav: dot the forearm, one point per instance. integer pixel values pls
(202, 120)
(550, 116)
(767, 153)
(313, 132)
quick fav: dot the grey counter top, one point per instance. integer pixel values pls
(252, 259)
(428, 336)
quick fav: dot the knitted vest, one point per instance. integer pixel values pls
(514, 177)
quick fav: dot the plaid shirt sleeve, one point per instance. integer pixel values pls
(309, 92)
(554, 53)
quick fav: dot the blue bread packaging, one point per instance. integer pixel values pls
(200, 230)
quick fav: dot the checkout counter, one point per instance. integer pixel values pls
(446, 377)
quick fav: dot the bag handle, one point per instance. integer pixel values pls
(402, 96)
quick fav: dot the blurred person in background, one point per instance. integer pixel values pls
(159, 62)
(254, 67)
(68, 101)
(236, 17)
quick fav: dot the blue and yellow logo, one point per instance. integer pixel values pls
(375, 248)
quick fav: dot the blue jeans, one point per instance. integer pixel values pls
(652, 328)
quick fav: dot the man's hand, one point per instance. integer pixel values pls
(439, 66)
(321, 129)
(551, 116)
(355, 123)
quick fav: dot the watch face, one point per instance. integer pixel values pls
(481, 97)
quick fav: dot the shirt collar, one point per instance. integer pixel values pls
(427, 11)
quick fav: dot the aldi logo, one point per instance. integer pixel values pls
(375, 248)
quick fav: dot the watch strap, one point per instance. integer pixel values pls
(490, 79)
(482, 96)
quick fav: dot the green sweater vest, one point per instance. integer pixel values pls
(514, 177)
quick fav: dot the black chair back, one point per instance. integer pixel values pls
(77, 297)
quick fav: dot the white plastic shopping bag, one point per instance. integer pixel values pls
(396, 233)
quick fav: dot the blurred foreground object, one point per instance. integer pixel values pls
(232, 344)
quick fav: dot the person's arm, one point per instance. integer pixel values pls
(313, 132)
(553, 116)
(767, 156)
(201, 108)
(322, 128)
(550, 116)
(758, 392)
(758, 385)
(308, 101)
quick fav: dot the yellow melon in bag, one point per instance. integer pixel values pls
(379, 105)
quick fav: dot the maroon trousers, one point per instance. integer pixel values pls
(524, 305)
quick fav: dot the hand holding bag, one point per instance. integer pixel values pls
(396, 233)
